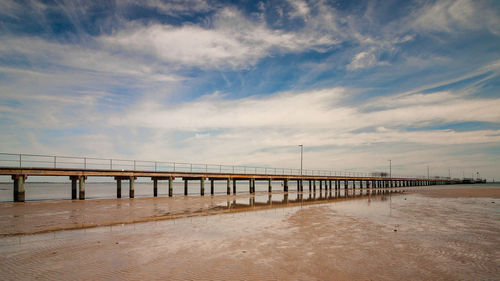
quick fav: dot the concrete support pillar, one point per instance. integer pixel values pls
(270, 185)
(202, 186)
(310, 185)
(368, 184)
(361, 184)
(234, 186)
(228, 186)
(314, 185)
(301, 181)
(285, 185)
(345, 184)
(185, 187)
(212, 187)
(170, 187)
(392, 185)
(73, 188)
(250, 186)
(118, 188)
(330, 184)
(19, 191)
(131, 188)
(353, 184)
(81, 186)
(155, 187)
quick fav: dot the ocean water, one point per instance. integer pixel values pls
(36, 191)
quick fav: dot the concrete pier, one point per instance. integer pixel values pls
(118, 188)
(202, 186)
(131, 189)
(19, 191)
(170, 186)
(81, 186)
(73, 187)
(155, 188)
(19, 175)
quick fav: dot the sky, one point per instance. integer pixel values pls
(357, 83)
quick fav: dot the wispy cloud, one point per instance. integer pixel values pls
(232, 41)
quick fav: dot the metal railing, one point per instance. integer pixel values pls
(69, 162)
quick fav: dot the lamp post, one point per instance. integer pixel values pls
(390, 169)
(301, 157)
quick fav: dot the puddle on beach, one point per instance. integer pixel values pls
(402, 236)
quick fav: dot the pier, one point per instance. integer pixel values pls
(78, 169)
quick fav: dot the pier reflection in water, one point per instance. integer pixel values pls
(275, 200)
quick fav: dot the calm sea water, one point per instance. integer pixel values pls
(61, 191)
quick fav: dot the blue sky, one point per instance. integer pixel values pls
(244, 82)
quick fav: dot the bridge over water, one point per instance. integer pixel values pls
(79, 169)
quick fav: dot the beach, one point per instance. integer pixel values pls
(440, 232)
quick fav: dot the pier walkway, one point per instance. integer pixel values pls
(79, 169)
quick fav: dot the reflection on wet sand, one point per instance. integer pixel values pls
(277, 200)
(44, 216)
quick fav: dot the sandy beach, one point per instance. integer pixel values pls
(444, 233)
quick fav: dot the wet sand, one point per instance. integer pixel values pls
(414, 236)
(45, 216)
(452, 192)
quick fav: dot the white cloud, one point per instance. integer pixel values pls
(451, 15)
(365, 59)
(233, 41)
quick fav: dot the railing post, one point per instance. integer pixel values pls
(174, 166)
(134, 165)
(191, 168)
(155, 166)
(55, 162)
(20, 161)
(111, 164)
(206, 168)
(220, 169)
(85, 163)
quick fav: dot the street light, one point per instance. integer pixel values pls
(301, 157)
(390, 169)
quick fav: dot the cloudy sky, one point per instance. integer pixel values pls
(356, 82)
